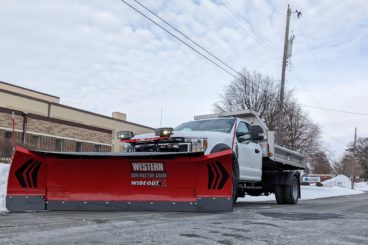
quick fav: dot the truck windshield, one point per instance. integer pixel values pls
(214, 125)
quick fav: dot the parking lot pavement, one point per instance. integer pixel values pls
(339, 220)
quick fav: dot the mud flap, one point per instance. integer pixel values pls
(120, 181)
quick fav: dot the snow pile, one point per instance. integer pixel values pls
(345, 182)
(4, 170)
(338, 181)
(362, 186)
(308, 192)
(311, 192)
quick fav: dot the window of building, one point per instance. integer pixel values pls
(78, 147)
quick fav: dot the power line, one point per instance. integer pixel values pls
(298, 77)
(257, 90)
(333, 138)
(176, 37)
(241, 27)
(248, 24)
(324, 79)
(195, 43)
(335, 110)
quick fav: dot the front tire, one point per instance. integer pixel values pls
(235, 188)
(235, 178)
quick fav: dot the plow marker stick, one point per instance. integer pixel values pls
(120, 181)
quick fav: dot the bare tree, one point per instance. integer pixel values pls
(345, 166)
(252, 91)
(320, 163)
(361, 159)
(257, 92)
(362, 155)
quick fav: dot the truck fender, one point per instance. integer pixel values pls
(220, 147)
(236, 172)
(284, 178)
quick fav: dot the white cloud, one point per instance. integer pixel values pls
(102, 56)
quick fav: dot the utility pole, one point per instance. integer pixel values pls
(284, 61)
(287, 54)
(353, 172)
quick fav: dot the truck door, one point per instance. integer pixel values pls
(249, 154)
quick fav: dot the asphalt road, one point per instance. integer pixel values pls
(339, 220)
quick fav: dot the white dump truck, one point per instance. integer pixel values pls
(259, 167)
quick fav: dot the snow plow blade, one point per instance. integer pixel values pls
(160, 181)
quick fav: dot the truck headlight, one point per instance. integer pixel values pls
(198, 144)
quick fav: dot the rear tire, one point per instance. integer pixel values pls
(292, 191)
(279, 194)
(288, 194)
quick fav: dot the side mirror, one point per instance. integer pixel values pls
(256, 132)
(124, 135)
(240, 134)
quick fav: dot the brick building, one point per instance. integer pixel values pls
(41, 122)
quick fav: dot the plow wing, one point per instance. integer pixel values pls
(120, 181)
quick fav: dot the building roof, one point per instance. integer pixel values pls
(29, 92)
(46, 99)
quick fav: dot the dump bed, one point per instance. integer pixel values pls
(277, 156)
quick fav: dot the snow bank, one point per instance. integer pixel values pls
(345, 182)
(339, 181)
(362, 186)
(312, 192)
(4, 170)
(308, 192)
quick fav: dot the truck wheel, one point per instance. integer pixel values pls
(292, 191)
(235, 178)
(279, 194)
(288, 194)
(235, 188)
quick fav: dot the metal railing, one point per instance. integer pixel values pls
(46, 143)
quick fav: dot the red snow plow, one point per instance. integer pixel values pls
(161, 181)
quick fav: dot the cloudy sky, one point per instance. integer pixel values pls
(102, 56)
